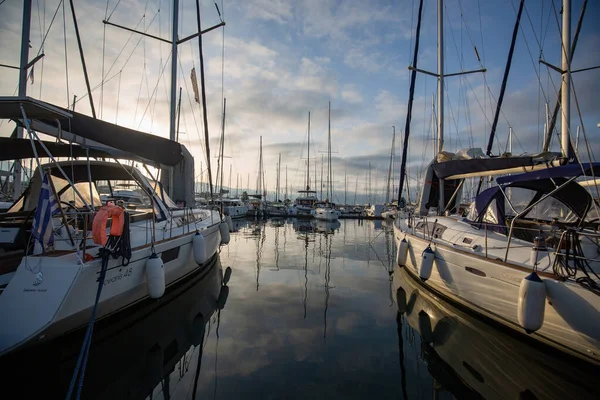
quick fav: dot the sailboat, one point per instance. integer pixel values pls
(526, 256)
(391, 207)
(67, 257)
(326, 210)
(303, 205)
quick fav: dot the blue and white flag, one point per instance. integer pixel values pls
(42, 229)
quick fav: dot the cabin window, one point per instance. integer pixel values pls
(439, 230)
(467, 240)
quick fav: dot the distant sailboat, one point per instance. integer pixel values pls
(326, 210)
(304, 204)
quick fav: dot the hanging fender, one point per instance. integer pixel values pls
(99, 225)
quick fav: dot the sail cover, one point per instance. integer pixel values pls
(564, 171)
(140, 144)
(464, 165)
(17, 149)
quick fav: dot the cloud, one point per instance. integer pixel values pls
(350, 94)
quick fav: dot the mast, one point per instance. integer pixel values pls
(221, 150)
(229, 185)
(26, 23)
(566, 78)
(387, 191)
(440, 90)
(322, 162)
(175, 26)
(345, 188)
(308, 157)
(504, 80)
(411, 96)
(278, 179)
(286, 184)
(330, 177)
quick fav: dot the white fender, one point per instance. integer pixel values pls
(426, 264)
(155, 276)
(402, 253)
(224, 229)
(229, 223)
(199, 247)
(532, 302)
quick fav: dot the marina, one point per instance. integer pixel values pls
(310, 311)
(201, 200)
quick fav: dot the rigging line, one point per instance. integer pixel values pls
(222, 56)
(153, 92)
(113, 10)
(48, 30)
(42, 73)
(127, 42)
(187, 92)
(531, 24)
(103, 59)
(66, 55)
(545, 34)
(530, 55)
(126, 61)
(466, 28)
(591, 154)
(118, 98)
(40, 20)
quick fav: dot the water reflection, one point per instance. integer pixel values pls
(471, 359)
(146, 352)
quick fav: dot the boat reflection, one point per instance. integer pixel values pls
(326, 227)
(240, 223)
(471, 359)
(143, 354)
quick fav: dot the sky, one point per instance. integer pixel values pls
(277, 60)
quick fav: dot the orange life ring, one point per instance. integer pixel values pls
(99, 225)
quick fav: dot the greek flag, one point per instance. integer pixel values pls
(42, 229)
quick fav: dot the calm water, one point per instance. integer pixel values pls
(311, 311)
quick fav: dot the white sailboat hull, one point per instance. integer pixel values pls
(326, 214)
(33, 311)
(236, 211)
(490, 287)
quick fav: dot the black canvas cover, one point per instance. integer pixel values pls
(144, 145)
(17, 149)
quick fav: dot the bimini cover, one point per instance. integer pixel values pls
(490, 210)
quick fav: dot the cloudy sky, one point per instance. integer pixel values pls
(278, 60)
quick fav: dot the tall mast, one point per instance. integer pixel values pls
(286, 185)
(566, 78)
(222, 154)
(389, 177)
(278, 178)
(440, 90)
(440, 87)
(330, 178)
(308, 156)
(173, 72)
(22, 85)
(229, 185)
(322, 162)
